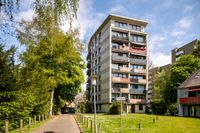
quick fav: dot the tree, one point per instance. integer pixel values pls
(196, 52)
(180, 71)
(159, 84)
(115, 108)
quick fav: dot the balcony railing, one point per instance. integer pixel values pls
(137, 101)
(138, 43)
(120, 80)
(142, 71)
(136, 91)
(120, 58)
(122, 69)
(140, 81)
(122, 90)
(121, 48)
(190, 100)
(138, 61)
(139, 51)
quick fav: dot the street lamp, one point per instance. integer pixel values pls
(94, 82)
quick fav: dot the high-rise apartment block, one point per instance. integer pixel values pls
(117, 56)
(186, 49)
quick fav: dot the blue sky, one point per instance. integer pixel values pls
(172, 23)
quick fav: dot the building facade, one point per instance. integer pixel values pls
(189, 96)
(186, 49)
(117, 55)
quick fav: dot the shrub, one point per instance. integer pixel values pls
(115, 108)
(159, 107)
(172, 109)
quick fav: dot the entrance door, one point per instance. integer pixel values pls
(132, 108)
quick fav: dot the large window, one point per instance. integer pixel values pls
(120, 75)
(121, 25)
(120, 35)
(137, 87)
(134, 27)
(137, 38)
(137, 77)
(117, 85)
(137, 67)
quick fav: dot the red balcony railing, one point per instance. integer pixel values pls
(190, 100)
(139, 51)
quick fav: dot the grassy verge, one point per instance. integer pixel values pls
(26, 128)
(130, 124)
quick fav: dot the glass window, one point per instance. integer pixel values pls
(140, 107)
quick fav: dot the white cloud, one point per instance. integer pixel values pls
(185, 23)
(177, 33)
(177, 43)
(160, 59)
(156, 40)
(119, 9)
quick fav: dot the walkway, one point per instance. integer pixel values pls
(61, 124)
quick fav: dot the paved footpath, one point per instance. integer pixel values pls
(64, 123)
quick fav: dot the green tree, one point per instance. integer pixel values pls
(180, 71)
(160, 83)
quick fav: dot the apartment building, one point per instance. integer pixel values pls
(189, 96)
(186, 49)
(117, 56)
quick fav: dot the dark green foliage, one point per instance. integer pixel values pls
(172, 109)
(158, 107)
(115, 108)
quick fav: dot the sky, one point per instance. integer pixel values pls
(171, 23)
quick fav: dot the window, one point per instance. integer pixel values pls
(120, 24)
(140, 107)
(135, 27)
(117, 85)
(99, 87)
(119, 35)
(99, 97)
(137, 38)
(137, 77)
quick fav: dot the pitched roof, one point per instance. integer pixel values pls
(192, 81)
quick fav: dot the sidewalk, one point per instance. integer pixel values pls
(61, 124)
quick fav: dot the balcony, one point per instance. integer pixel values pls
(138, 51)
(120, 90)
(190, 100)
(118, 38)
(120, 58)
(121, 48)
(139, 81)
(138, 61)
(122, 69)
(138, 43)
(136, 91)
(137, 101)
(120, 80)
(140, 71)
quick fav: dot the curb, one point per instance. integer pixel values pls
(78, 124)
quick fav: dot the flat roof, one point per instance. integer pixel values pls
(114, 16)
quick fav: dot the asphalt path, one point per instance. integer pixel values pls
(64, 123)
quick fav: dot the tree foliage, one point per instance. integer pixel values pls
(196, 52)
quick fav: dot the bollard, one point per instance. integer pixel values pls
(6, 126)
(140, 125)
(29, 122)
(154, 120)
(156, 117)
(21, 125)
(91, 125)
(87, 122)
(34, 119)
(99, 127)
(39, 118)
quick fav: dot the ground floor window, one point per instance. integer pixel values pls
(140, 107)
(191, 110)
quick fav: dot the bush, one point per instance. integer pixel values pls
(148, 110)
(115, 108)
(159, 107)
(172, 109)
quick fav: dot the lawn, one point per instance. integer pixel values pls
(164, 124)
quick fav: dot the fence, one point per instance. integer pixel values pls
(28, 121)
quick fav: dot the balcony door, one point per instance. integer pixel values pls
(132, 108)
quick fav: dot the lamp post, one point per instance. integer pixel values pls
(94, 80)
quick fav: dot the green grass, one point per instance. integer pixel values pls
(164, 124)
(26, 128)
